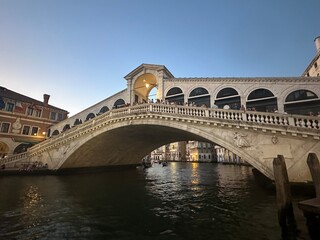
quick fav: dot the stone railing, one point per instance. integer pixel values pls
(14, 158)
(205, 114)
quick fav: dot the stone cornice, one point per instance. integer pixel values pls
(246, 79)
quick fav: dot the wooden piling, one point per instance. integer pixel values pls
(284, 203)
(314, 167)
(311, 207)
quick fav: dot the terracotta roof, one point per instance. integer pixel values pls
(7, 93)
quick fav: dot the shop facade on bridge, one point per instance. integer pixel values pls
(292, 95)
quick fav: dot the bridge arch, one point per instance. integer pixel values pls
(90, 116)
(139, 138)
(228, 96)
(23, 147)
(300, 101)
(262, 99)
(77, 121)
(119, 103)
(103, 110)
(66, 127)
(143, 85)
(55, 133)
(175, 94)
(200, 96)
(125, 135)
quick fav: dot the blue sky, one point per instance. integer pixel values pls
(78, 51)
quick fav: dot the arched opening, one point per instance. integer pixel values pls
(103, 110)
(200, 97)
(175, 95)
(77, 122)
(143, 86)
(22, 148)
(4, 149)
(228, 97)
(90, 116)
(55, 132)
(302, 102)
(119, 103)
(66, 127)
(262, 100)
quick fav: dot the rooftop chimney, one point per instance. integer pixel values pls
(317, 42)
(46, 99)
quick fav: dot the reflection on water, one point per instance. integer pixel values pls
(180, 201)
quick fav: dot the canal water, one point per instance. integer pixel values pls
(180, 201)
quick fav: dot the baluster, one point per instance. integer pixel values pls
(309, 123)
(272, 119)
(224, 115)
(258, 119)
(314, 124)
(249, 118)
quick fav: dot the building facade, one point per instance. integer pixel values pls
(25, 121)
(313, 69)
(200, 151)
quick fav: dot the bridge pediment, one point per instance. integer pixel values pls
(144, 68)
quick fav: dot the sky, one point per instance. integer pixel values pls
(78, 51)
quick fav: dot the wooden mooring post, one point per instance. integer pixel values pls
(311, 207)
(284, 202)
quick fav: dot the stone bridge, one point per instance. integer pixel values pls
(124, 136)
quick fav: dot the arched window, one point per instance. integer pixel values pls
(228, 97)
(22, 148)
(103, 110)
(66, 127)
(119, 103)
(198, 92)
(200, 96)
(77, 122)
(300, 95)
(90, 116)
(55, 132)
(302, 102)
(175, 95)
(262, 100)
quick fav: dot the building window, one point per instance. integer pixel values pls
(26, 130)
(5, 127)
(34, 131)
(60, 117)
(53, 116)
(29, 111)
(37, 112)
(9, 107)
(315, 65)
